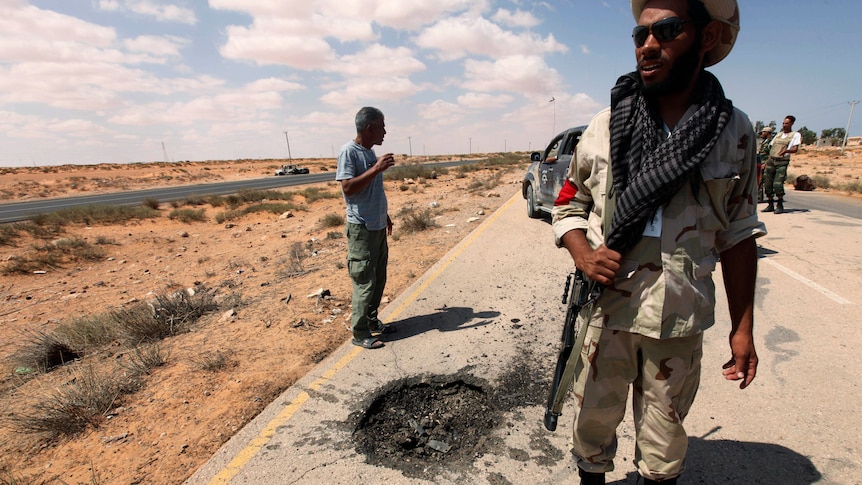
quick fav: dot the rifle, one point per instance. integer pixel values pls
(564, 374)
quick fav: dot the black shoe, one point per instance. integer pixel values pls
(589, 478)
(769, 208)
(671, 481)
(779, 209)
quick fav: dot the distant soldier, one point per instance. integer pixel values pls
(762, 157)
(782, 146)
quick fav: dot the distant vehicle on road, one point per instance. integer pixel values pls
(547, 173)
(291, 170)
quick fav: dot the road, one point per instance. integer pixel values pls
(824, 201)
(18, 211)
(495, 298)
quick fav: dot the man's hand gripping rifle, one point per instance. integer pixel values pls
(564, 373)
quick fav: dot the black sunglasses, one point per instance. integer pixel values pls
(663, 30)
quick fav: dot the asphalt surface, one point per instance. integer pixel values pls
(22, 210)
(496, 296)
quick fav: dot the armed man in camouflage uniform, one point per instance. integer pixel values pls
(785, 143)
(762, 157)
(662, 183)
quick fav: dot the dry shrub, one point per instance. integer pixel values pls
(169, 315)
(54, 254)
(210, 361)
(188, 215)
(143, 359)
(332, 220)
(418, 221)
(42, 351)
(67, 410)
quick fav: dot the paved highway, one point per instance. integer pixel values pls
(824, 201)
(496, 298)
(19, 211)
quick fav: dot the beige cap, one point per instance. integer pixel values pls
(767, 129)
(725, 11)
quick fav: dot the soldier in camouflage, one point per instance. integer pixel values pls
(762, 157)
(645, 329)
(785, 143)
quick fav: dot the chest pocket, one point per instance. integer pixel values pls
(719, 192)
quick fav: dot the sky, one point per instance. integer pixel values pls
(128, 81)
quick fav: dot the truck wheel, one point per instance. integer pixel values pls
(532, 210)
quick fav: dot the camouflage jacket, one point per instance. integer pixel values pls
(763, 152)
(664, 288)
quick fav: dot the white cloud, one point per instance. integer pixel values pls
(232, 129)
(269, 48)
(585, 49)
(272, 84)
(25, 23)
(108, 5)
(75, 127)
(400, 14)
(379, 61)
(484, 100)
(125, 86)
(527, 75)
(161, 46)
(48, 50)
(455, 38)
(226, 107)
(162, 12)
(440, 110)
(365, 90)
(298, 19)
(518, 18)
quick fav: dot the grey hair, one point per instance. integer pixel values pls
(366, 116)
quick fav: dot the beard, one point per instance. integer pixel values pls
(680, 76)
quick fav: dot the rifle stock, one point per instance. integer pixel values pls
(563, 373)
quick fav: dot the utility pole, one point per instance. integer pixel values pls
(410, 144)
(847, 131)
(288, 146)
(165, 151)
(471, 146)
(554, 129)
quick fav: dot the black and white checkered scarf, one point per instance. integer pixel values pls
(649, 167)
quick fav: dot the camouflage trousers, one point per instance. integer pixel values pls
(664, 375)
(774, 175)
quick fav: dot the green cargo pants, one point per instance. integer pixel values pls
(774, 177)
(664, 375)
(367, 257)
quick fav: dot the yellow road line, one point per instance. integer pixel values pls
(259, 441)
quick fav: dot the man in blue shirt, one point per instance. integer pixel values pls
(368, 224)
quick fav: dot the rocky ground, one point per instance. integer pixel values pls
(275, 330)
(278, 331)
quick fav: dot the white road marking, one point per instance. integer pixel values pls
(827, 293)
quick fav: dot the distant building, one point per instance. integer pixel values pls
(852, 141)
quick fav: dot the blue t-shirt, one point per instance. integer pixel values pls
(369, 206)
